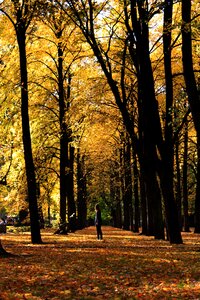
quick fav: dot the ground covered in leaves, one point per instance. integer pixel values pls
(77, 266)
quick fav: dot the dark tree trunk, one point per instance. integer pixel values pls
(185, 179)
(70, 191)
(3, 252)
(118, 211)
(128, 195)
(171, 210)
(136, 194)
(122, 184)
(178, 184)
(143, 195)
(70, 167)
(192, 91)
(49, 213)
(197, 199)
(118, 208)
(148, 111)
(154, 203)
(143, 204)
(112, 199)
(29, 164)
(153, 138)
(63, 138)
(115, 196)
(81, 191)
(191, 85)
(151, 127)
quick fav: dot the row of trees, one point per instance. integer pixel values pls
(121, 73)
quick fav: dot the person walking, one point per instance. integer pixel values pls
(98, 222)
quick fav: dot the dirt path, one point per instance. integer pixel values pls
(77, 266)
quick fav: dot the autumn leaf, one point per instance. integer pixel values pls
(76, 266)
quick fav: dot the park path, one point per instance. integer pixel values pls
(77, 266)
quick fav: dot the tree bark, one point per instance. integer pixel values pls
(28, 156)
(152, 136)
(143, 204)
(81, 191)
(70, 191)
(192, 92)
(197, 198)
(185, 179)
(136, 194)
(3, 252)
(128, 195)
(168, 153)
(178, 184)
(63, 138)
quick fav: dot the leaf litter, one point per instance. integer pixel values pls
(125, 266)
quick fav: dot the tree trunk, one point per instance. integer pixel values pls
(143, 194)
(154, 204)
(152, 132)
(168, 153)
(192, 92)
(191, 85)
(143, 204)
(153, 135)
(185, 184)
(178, 184)
(128, 207)
(70, 191)
(63, 138)
(118, 211)
(122, 184)
(148, 111)
(115, 195)
(49, 211)
(197, 199)
(136, 194)
(81, 191)
(29, 164)
(3, 252)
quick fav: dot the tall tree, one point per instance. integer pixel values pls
(178, 182)
(115, 197)
(23, 13)
(85, 16)
(58, 24)
(70, 190)
(168, 157)
(81, 190)
(128, 193)
(136, 194)
(185, 180)
(192, 92)
(147, 108)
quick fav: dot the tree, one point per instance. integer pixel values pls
(22, 16)
(58, 78)
(81, 190)
(185, 180)
(87, 26)
(192, 92)
(128, 192)
(136, 76)
(137, 43)
(136, 193)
